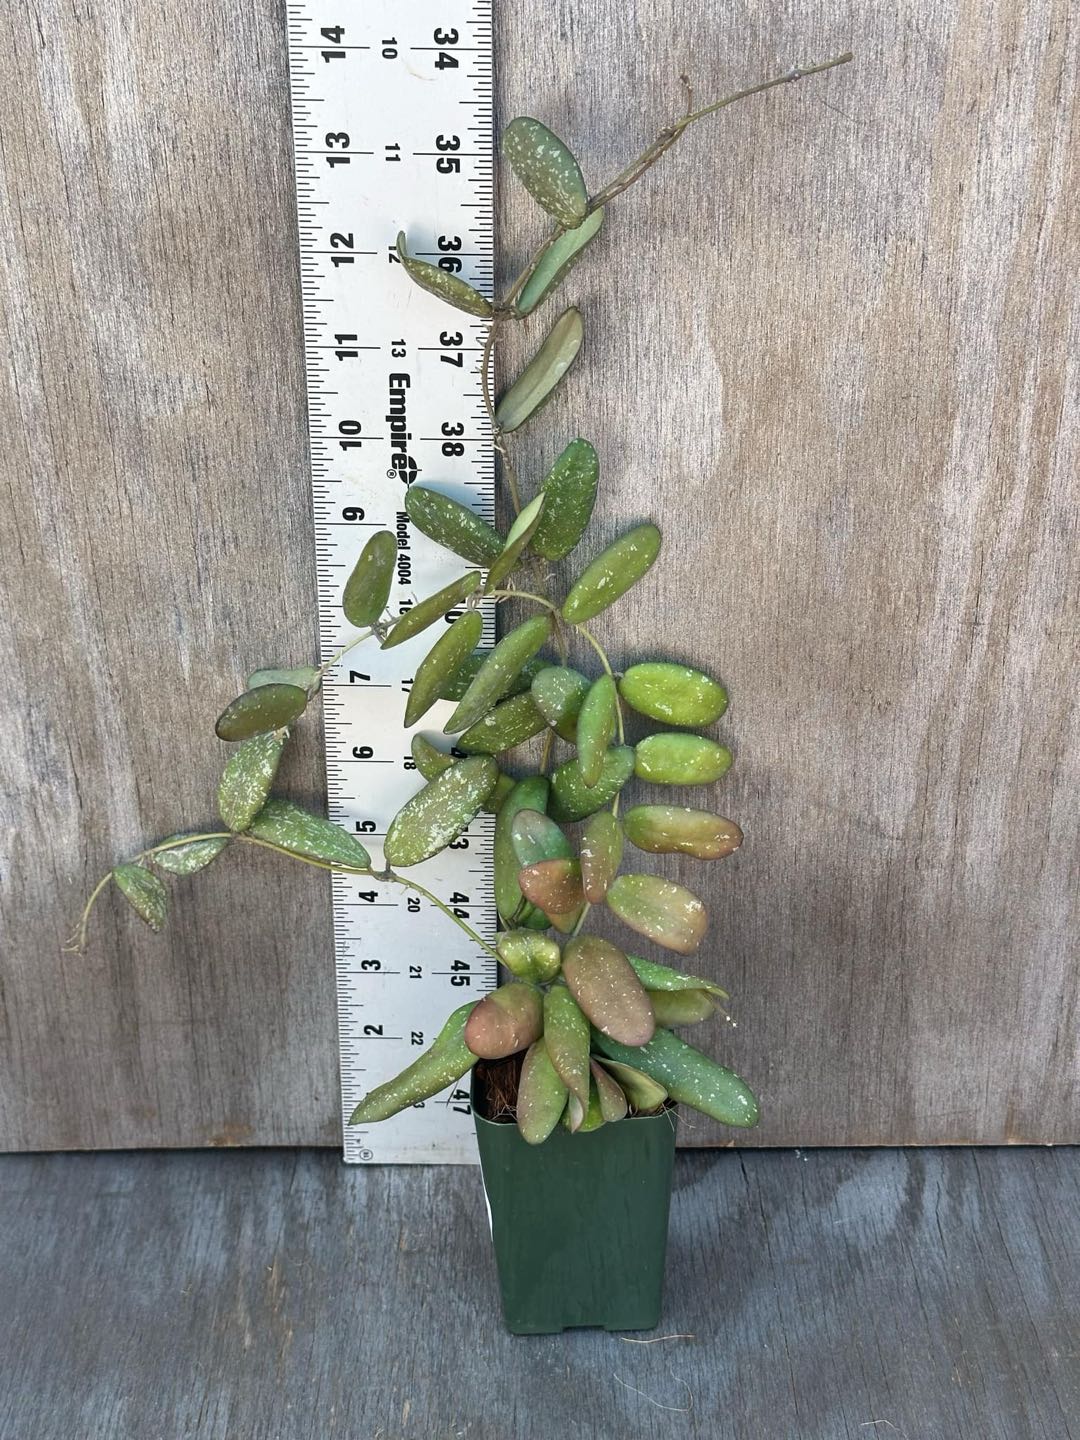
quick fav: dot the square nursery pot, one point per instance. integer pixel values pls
(579, 1223)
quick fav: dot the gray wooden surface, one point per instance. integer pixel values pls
(815, 1295)
(828, 350)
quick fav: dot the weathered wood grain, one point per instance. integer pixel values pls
(810, 1296)
(831, 347)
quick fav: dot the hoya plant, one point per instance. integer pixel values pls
(593, 1023)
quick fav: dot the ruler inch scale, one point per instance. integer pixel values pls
(392, 115)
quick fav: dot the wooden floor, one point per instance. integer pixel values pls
(815, 1295)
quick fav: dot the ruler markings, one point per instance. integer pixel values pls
(387, 150)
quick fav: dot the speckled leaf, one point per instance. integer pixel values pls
(499, 671)
(431, 819)
(612, 573)
(643, 1092)
(187, 859)
(247, 778)
(431, 761)
(536, 383)
(306, 676)
(570, 488)
(579, 1120)
(572, 799)
(596, 728)
(676, 758)
(268, 707)
(445, 1060)
(545, 165)
(368, 587)
(659, 909)
(689, 1077)
(677, 829)
(681, 1007)
(521, 532)
(529, 956)
(536, 837)
(432, 608)
(662, 977)
(452, 525)
(436, 281)
(553, 886)
(144, 892)
(613, 1104)
(604, 985)
(442, 660)
(559, 693)
(286, 825)
(541, 1097)
(456, 685)
(601, 854)
(566, 1034)
(511, 723)
(528, 794)
(674, 694)
(556, 261)
(506, 1021)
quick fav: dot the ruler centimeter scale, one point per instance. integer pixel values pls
(393, 130)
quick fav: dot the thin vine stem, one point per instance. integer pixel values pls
(336, 658)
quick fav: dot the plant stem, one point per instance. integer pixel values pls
(388, 874)
(486, 358)
(667, 137)
(340, 655)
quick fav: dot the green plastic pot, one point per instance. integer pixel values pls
(579, 1223)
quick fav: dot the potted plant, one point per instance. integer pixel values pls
(581, 1035)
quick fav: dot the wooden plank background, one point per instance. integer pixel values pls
(831, 346)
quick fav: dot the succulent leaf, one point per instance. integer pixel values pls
(659, 909)
(254, 712)
(439, 812)
(537, 382)
(451, 288)
(546, 167)
(368, 587)
(443, 1062)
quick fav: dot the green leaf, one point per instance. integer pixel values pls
(287, 826)
(689, 1077)
(601, 854)
(499, 671)
(452, 525)
(541, 1097)
(529, 956)
(267, 707)
(674, 694)
(662, 977)
(556, 261)
(612, 573)
(613, 1104)
(644, 1093)
(440, 282)
(679, 830)
(247, 778)
(187, 859)
(674, 758)
(440, 811)
(511, 723)
(443, 1062)
(456, 685)
(506, 1021)
(521, 532)
(581, 1120)
(681, 1007)
(144, 892)
(431, 762)
(559, 693)
(659, 909)
(307, 677)
(601, 980)
(442, 660)
(432, 608)
(566, 1034)
(546, 167)
(596, 728)
(536, 837)
(536, 383)
(572, 799)
(368, 587)
(528, 794)
(570, 488)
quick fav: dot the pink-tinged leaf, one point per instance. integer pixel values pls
(541, 1096)
(553, 885)
(604, 985)
(601, 855)
(506, 1021)
(661, 910)
(612, 1100)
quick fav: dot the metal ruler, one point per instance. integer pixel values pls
(392, 129)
